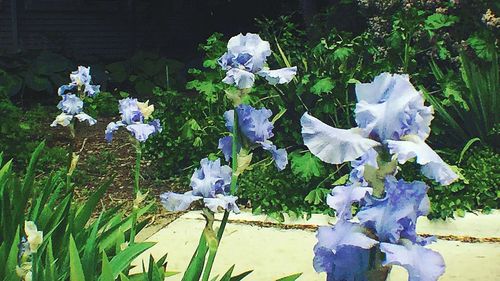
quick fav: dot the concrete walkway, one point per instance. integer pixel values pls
(254, 242)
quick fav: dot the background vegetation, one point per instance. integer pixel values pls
(449, 48)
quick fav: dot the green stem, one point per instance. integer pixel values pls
(137, 175)
(234, 180)
(210, 263)
(137, 171)
(234, 154)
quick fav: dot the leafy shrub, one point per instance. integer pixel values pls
(276, 193)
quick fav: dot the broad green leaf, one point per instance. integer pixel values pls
(437, 21)
(316, 195)
(483, 49)
(342, 53)
(11, 263)
(324, 85)
(106, 271)
(227, 275)
(306, 165)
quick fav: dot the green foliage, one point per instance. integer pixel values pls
(21, 132)
(287, 194)
(470, 107)
(306, 165)
(74, 245)
(186, 137)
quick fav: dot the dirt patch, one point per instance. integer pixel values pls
(100, 161)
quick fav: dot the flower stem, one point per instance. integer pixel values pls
(234, 180)
(234, 154)
(137, 170)
(137, 175)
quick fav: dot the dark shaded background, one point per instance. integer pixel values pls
(114, 29)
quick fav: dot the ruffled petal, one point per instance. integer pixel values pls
(254, 123)
(421, 263)
(344, 233)
(433, 166)
(130, 111)
(342, 197)
(82, 117)
(226, 146)
(250, 44)
(92, 90)
(110, 129)
(358, 166)
(279, 76)
(70, 104)
(349, 263)
(65, 88)
(280, 156)
(390, 108)
(81, 76)
(343, 252)
(395, 215)
(177, 202)
(239, 78)
(333, 145)
(221, 202)
(62, 119)
(211, 179)
(156, 123)
(141, 132)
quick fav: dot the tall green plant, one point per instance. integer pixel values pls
(470, 107)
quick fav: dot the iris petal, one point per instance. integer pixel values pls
(279, 76)
(395, 215)
(82, 117)
(141, 131)
(433, 166)
(280, 156)
(178, 202)
(390, 107)
(240, 78)
(421, 263)
(250, 44)
(222, 202)
(342, 197)
(333, 145)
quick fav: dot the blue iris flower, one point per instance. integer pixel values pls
(71, 107)
(391, 116)
(211, 182)
(246, 56)
(343, 251)
(134, 114)
(256, 128)
(389, 113)
(80, 80)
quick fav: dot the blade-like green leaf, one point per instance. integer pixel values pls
(75, 265)
(107, 272)
(123, 259)
(292, 277)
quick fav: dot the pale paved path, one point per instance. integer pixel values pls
(273, 252)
